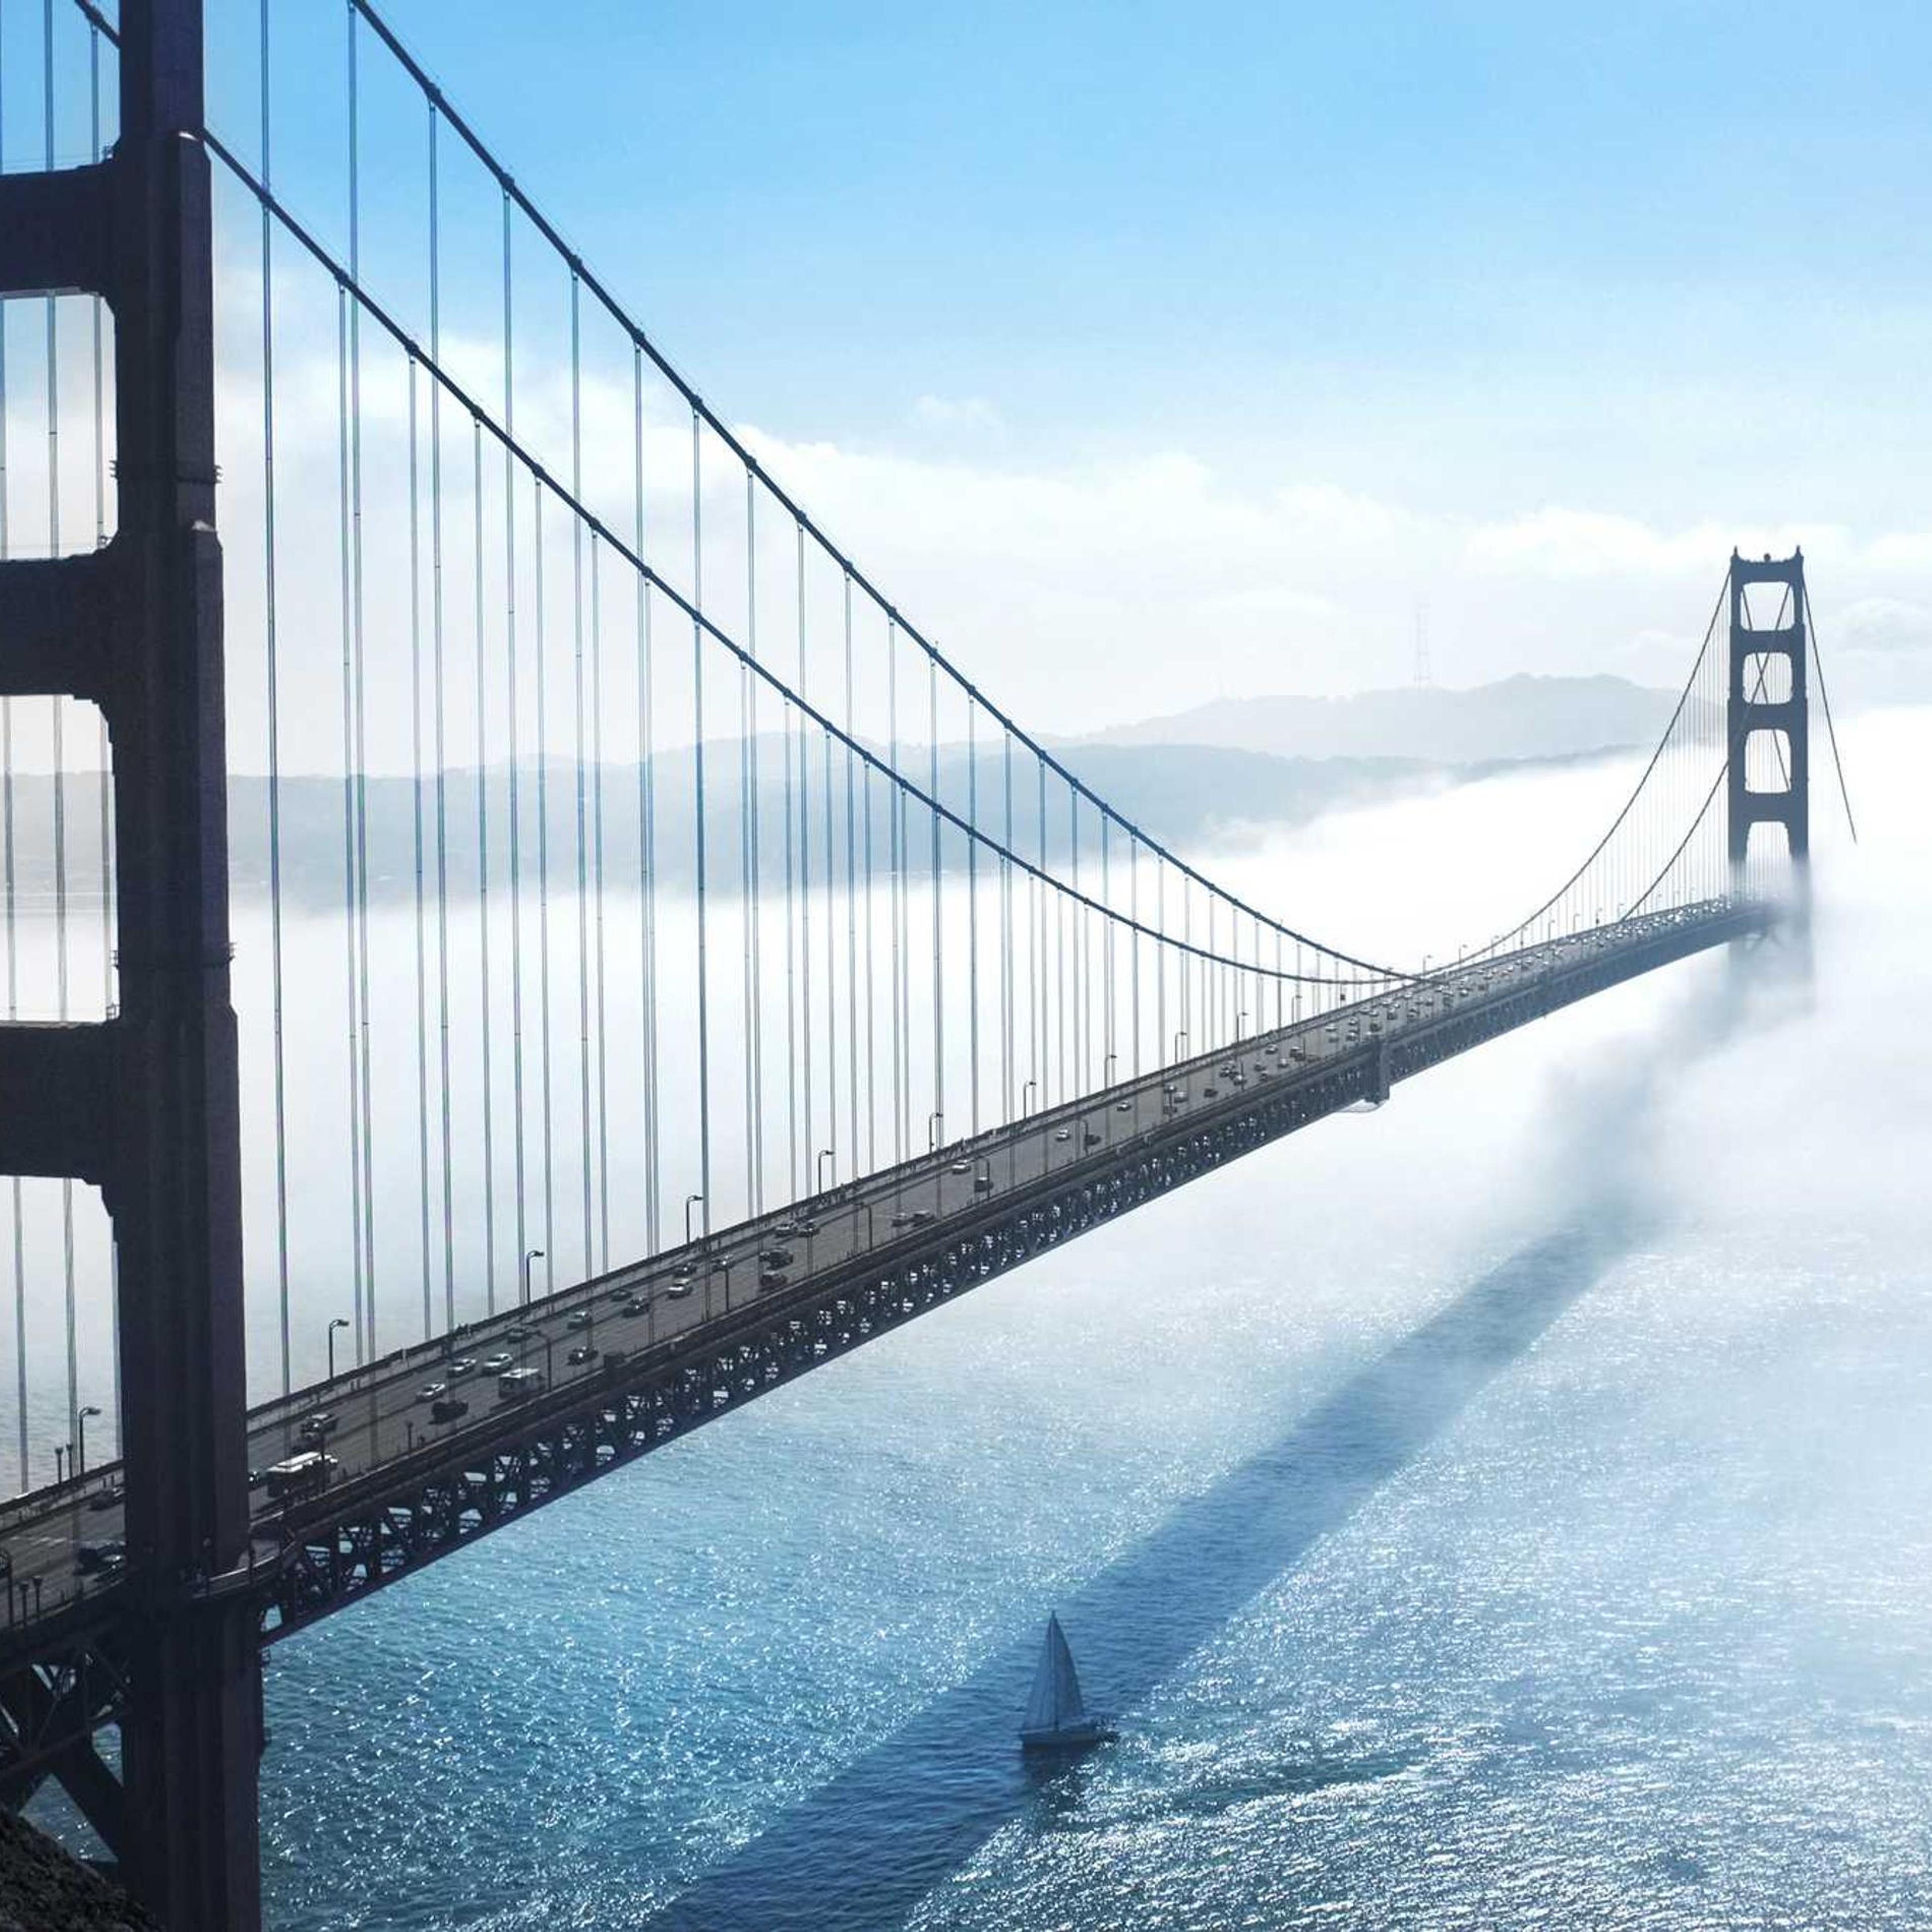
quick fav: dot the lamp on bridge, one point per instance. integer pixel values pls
(531, 1254)
(690, 1200)
(80, 1439)
(340, 1321)
(824, 1155)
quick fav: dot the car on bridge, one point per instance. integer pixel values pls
(771, 1281)
(495, 1365)
(520, 1384)
(463, 1365)
(776, 1258)
(449, 1409)
(638, 1304)
(578, 1318)
(320, 1424)
(583, 1352)
(100, 1559)
(431, 1391)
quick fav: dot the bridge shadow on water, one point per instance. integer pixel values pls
(861, 1850)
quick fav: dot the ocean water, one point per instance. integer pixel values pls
(1511, 1508)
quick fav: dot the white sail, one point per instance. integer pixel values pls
(1055, 1702)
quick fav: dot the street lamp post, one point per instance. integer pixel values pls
(690, 1200)
(340, 1321)
(818, 1171)
(534, 1255)
(80, 1440)
(60, 1464)
(933, 1126)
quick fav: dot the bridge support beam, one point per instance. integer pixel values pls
(148, 1105)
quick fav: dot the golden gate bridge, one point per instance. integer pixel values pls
(647, 967)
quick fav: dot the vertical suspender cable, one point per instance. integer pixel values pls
(747, 998)
(270, 643)
(442, 746)
(577, 670)
(808, 1179)
(831, 957)
(355, 1032)
(871, 1004)
(754, 787)
(851, 902)
(366, 1342)
(597, 887)
(519, 1125)
(973, 905)
(699, 804)
(488, 1016)
(416, 804)
(546, 1137)
(894, 805)
(647, 853)
(1006, 849)
(794, 1186)
(938, 1134)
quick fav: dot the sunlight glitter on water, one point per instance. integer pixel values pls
(1510, 1510)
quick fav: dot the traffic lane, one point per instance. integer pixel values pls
(389, 1409)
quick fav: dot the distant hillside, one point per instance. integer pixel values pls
(1188, 795)
(1522, 717)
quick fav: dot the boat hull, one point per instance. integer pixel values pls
(1065, 1737)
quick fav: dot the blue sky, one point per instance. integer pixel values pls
(1539, 228)
(1659, 264)
(1108, 337)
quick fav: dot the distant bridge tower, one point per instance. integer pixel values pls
(1767, 697)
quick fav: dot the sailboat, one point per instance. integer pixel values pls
(1056, 1720)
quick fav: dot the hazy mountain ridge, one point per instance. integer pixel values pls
(1526, 716)
(1170, 776)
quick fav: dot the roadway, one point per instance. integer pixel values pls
(381, 1412)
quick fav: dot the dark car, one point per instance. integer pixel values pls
(583, 1352)
(776, 1258)
(638, 1304)
(320, 1424)
(99, 1559)
(770, 1281)
(110, 1498)
(448, 1408)
(577, 1318)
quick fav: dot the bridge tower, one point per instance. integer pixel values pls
(145, 1104)
(1768, 694)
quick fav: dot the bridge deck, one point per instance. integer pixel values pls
(690, 1333)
